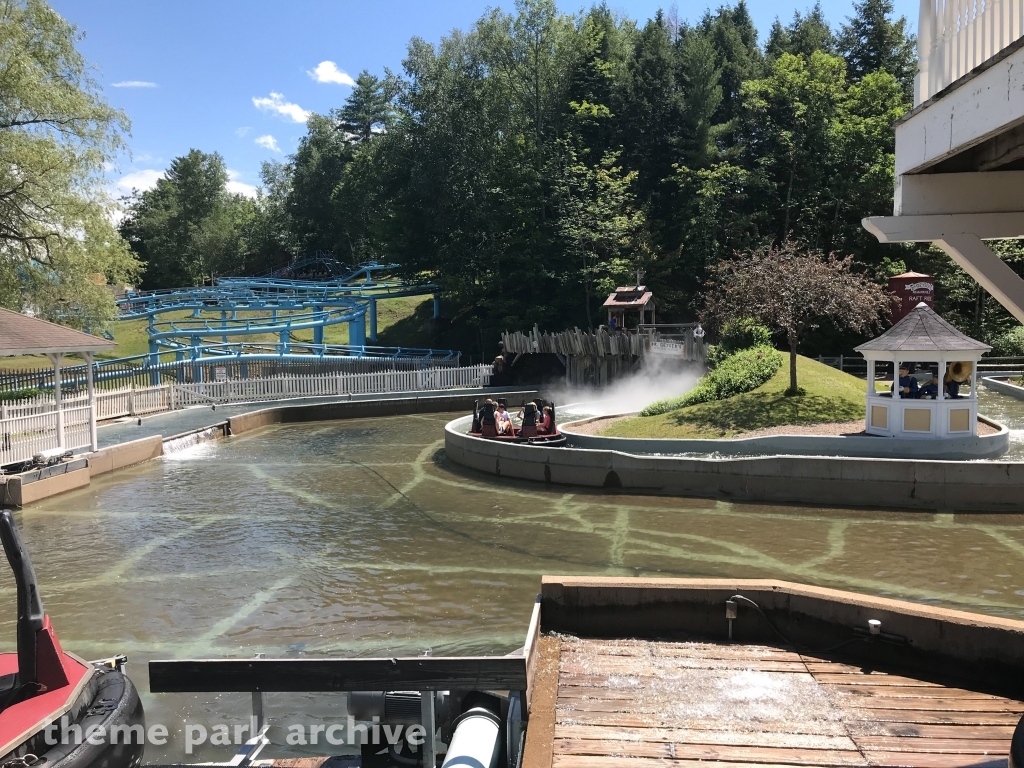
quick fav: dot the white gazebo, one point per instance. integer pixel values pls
(25, 435)
(923, 338)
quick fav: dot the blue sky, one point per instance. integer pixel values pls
(237, 77)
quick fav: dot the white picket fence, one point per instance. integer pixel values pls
(22, 437)
(330, 384)
(955, 36)
(30, 426)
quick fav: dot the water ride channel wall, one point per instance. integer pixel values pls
(37, 484)
(823, 481)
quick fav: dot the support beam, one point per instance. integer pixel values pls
(991, 272)
(56, 358)
(373, 319)
(960, 237)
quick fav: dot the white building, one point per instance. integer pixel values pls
(960, 151)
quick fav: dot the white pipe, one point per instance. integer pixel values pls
(475, 743)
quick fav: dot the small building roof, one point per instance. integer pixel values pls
(624, 298)
(922, 330)
(24, 335)
(909, 274)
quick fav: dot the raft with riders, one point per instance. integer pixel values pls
(534, 423)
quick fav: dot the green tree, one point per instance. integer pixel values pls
(804, 35)
(189, 228)
(871, 41)
(317, 168)
(599, 222)
(369, 107)
(57, 242)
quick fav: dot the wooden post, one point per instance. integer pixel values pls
(56, 359)
(91, 389)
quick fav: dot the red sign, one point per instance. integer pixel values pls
(908, 290)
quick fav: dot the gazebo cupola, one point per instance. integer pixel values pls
(943, 363)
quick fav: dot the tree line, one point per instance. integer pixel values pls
(526, 165)
(533, 162)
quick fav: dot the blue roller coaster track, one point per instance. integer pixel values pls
(226, 317)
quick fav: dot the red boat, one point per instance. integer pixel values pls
(538, 423)
(52, 701)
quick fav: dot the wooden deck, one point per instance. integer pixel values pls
(641, 704)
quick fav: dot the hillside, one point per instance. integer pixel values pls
(828, 396)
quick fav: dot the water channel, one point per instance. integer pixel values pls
(359, 538)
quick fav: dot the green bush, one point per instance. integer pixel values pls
(18, 394)
(737, 335)
(1009, 344)
(738, 373)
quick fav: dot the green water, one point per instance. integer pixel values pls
(359, 538)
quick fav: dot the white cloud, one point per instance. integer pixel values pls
(328, 72)
(241, 132)
(135, 84)
(236, 187)
(268, 142)
(276, 104)
(140, 180)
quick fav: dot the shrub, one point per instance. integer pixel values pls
(18, 394)
(738, 373)
(737, 335)
(1009, 344)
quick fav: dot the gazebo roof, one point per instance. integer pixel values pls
(922, 330)
(24, 335)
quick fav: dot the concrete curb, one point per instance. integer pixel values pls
(1003, 387)
(816, 480)
(863, 446)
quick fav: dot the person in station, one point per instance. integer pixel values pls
(908, 386)
(502, 421)
(930, 391)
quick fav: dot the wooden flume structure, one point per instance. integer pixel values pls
(603, 355)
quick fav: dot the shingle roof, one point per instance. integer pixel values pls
(922, 330)
(24, 335)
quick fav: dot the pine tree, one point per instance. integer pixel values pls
(871, 41)
(368, 107)
(804, 35)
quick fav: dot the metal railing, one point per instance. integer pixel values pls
(955, 36)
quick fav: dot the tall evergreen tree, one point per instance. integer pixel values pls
(871, 41)
(806, 34)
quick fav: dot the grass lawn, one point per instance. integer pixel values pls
(131, 337)
(829, 395)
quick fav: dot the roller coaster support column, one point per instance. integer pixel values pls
(318, 332)
(153, 361)
(373, 319)
(437, 306)
(197, 354)
(357, 331)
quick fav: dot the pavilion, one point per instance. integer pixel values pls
(925, 339)
(24, 335)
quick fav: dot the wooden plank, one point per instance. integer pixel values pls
(719, 737)
(541, 733)
(944, 746)
(655, 720)
(866, 678)
(649, 667)
(701, 650)
(330, 674)
(933, 760)
(910, 731)
(934, 704)
(530, 650)
(903, 715)
(616, 761)
(910, 691)
(823, 757)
